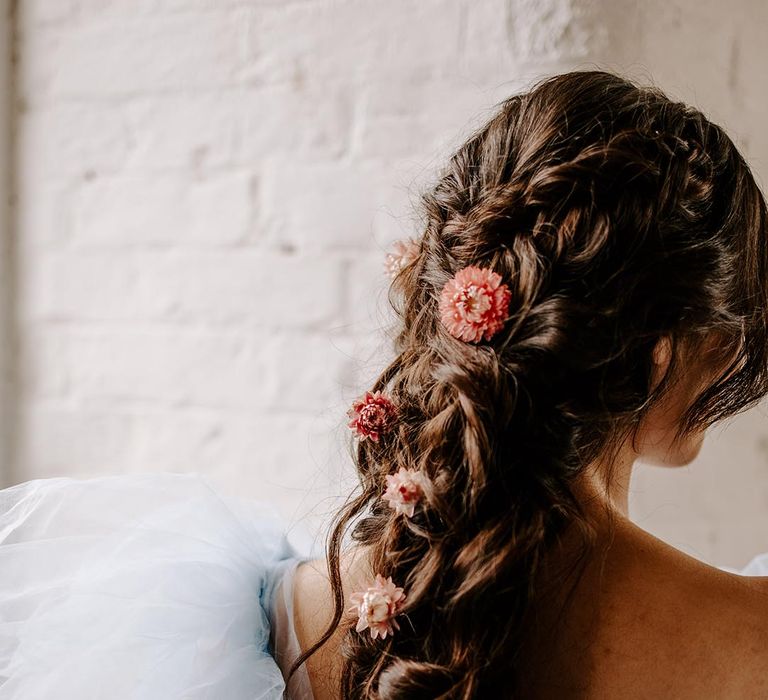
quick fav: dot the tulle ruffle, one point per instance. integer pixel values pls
(145, 586)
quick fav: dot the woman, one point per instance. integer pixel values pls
(632, 238)
(590, 288)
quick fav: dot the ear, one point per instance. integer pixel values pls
(662, 354)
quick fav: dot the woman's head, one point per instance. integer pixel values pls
(632, 237)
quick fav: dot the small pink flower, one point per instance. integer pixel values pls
(404, 253)
(372, 415)
(377, 607)
(404, 489)
(474, 304)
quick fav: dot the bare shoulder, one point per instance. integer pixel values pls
(648, 620)
(708, 627)
(313, 612)
(707, 636)
(742, 618)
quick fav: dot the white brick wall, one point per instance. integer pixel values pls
(206, 190)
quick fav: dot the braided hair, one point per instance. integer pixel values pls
(614, 216)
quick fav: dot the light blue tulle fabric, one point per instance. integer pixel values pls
(145, 586)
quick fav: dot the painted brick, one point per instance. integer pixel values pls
(217, 287)
(105, 58)
(165, 210)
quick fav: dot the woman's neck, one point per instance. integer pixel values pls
(605, 484)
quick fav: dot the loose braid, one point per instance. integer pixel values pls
(614, 215)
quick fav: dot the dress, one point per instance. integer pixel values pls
(149, 587)
(145, 587)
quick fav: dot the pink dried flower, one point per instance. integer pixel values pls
(404, 489)
(377, 607)
(403, 253)
(474, 304)
(372, 415)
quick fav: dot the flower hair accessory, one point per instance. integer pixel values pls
(377, 606)
(474, 304)
(404, 489)
(372, 415)
(403, 253)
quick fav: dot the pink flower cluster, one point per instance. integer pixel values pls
(377, 606)
(403, 253)
(404, 490)
(372, 416)
(474, 304)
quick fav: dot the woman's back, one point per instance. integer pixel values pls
(644, 621)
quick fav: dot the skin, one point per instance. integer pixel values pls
(313, 610)
(644, 621)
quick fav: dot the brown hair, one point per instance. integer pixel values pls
(615, 215)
